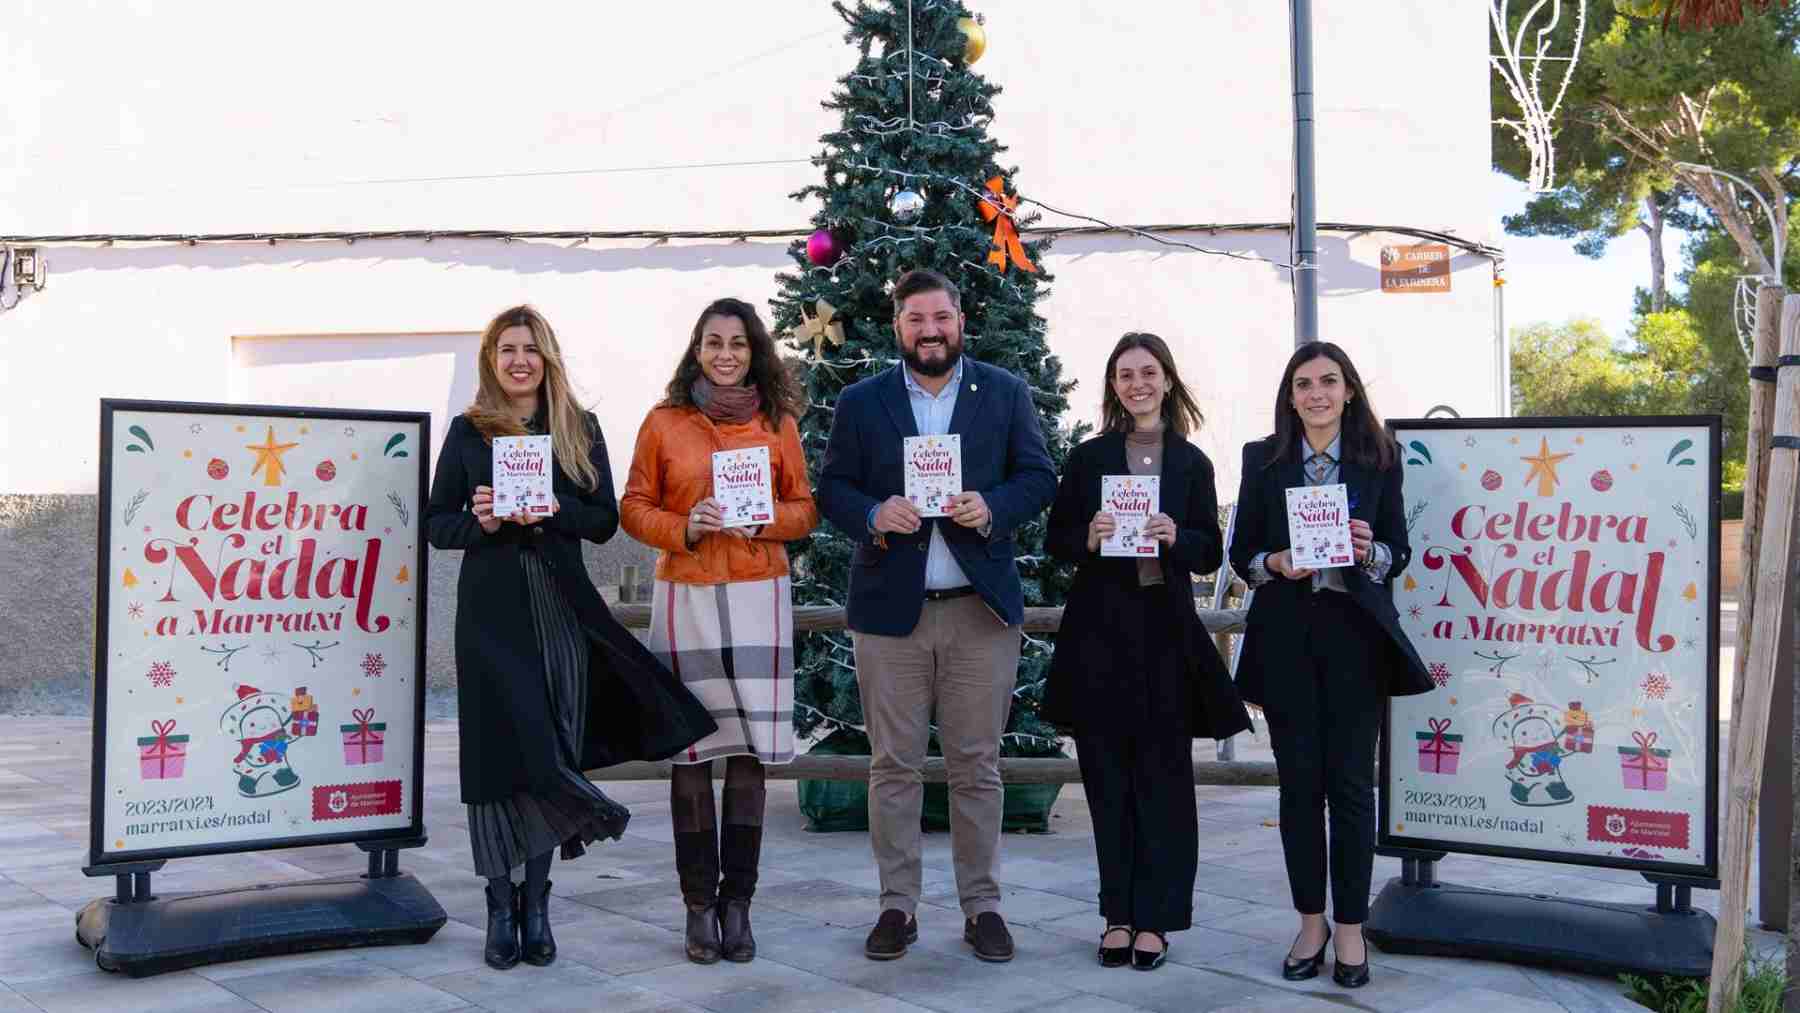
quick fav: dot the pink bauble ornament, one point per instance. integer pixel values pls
(822, 248)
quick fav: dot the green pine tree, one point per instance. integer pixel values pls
(945, 154)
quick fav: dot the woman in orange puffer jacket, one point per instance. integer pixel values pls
(721, 612)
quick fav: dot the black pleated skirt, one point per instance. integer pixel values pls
(504, 835)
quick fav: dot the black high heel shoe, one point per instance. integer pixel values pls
(1351, 975)
(1303, 968)
(1116, 956)
(1144, 960)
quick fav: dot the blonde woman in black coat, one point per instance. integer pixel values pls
(548, 683)
(1136, 676)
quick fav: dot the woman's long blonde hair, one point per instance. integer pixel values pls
(492, 412)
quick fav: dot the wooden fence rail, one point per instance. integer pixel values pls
(830, 618)
(1013, 770)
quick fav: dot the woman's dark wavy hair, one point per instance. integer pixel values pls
(1363, 440)
(1180, 412)
(780, 392)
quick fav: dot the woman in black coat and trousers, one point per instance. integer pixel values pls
(1323, 650)
(548, 683)
(1135, 675)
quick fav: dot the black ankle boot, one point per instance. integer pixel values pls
(502, 950)
(534, 927)
(703, 935)
(735, 940)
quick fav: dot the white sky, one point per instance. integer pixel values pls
(1547, 281)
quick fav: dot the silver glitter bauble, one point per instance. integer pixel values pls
(906, 206)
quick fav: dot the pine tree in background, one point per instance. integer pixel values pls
(942, 153)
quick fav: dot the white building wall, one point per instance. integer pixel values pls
(164, 116)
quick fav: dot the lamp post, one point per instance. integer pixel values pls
(1306, 233)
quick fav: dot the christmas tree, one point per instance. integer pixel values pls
(906, 175)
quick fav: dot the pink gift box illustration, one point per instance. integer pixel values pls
(363, 740)
(1439, 751)
(1644, 767)
(163, 756)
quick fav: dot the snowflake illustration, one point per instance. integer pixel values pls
(349, 430)
(1568, 837)
(135, 610)
(270, 652)
(400, 622)
(1468, 441)
(161, 673)
(1655, 685)
(196, 429)
(1440, 673)
(372, 665)
(1628, 439)
(1415, 612)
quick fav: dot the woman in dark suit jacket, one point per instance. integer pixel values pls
(548, 683)
(1323, 649)
(1135, 675)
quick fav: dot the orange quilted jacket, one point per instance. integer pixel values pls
(671, 470)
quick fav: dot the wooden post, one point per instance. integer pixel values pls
(1776, 821)
(1750, 725)
(1788, 674)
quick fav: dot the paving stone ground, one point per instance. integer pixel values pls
(618, 917)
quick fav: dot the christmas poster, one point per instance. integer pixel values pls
(522, 476)
(744, 486)
(1562, 593)
(933, 472)
(1319, 526)
(1131, 499)
(261, 609)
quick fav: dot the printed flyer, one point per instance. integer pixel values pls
(744, 486)
(261, 596)
(1563, 595)
(1319, 526)
(933, 472)
(1131, 499)
(522, 476)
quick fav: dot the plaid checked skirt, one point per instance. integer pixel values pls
(732, 646)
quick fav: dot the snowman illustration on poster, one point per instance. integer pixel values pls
(259, 723)
(1533, 734)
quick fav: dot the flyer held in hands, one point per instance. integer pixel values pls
(743, 486)
(1131, 499)
(1319, 527)
(522, 475)
(933, 472)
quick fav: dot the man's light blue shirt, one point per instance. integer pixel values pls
(932, 414)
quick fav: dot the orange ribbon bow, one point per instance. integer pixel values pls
(998, 208)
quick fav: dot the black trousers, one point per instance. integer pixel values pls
(1324, 721)
(1137, 768)
(1140, 790)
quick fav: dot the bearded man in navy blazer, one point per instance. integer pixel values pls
(935, 605)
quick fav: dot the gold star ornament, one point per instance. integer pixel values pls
(1543, 468)
(268, 458)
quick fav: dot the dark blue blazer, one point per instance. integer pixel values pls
(1004, 459)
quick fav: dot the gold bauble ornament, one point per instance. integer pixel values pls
(974, 39)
